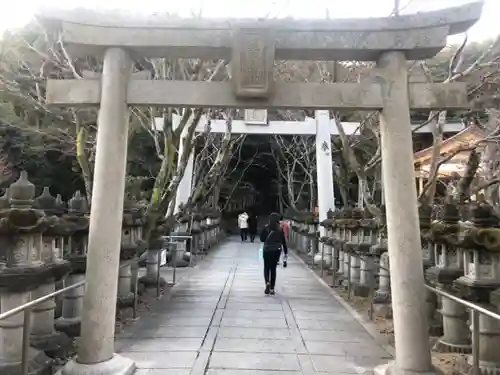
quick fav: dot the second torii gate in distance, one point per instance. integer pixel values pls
(255, 122)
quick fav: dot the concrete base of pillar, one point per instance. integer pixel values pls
(126, 301)
(382, 310)
(435, 328)
(485, 367)
(57, 344)
(442, 346)
(152, 282)
(339, 279)
(70, 327)
(391, 369)
(117, 365)
(39, 364)
(182, 259)
(360, 290)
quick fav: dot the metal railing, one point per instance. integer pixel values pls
(28, 307)
(170, 241)
(475, 310)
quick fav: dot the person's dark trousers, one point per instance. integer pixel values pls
(252, 236)
(243, 233)
(271, 259)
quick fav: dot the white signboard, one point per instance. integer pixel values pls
(256, 116)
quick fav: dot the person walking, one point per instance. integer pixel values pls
(273, 242)
(243, 225)
(252, 226)
(285, 227)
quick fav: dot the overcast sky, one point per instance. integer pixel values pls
(17, 13)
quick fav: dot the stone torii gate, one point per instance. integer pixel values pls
(252, 46)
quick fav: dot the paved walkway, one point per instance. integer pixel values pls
(218, 321)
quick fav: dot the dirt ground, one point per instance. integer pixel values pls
(446, 363)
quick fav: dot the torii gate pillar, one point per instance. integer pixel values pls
(324, 173)
(407, 279)
(106, 215)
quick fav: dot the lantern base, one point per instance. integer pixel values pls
(117, 365)
(38, 364)
(391, 369)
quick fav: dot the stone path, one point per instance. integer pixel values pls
(218, 321)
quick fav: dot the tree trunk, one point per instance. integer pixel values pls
(83, 161)
(437, 135)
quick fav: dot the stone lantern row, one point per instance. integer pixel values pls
(459, 257)
(44, 244)
(169, 238)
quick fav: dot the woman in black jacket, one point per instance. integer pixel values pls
(252, 226)
(274, 240)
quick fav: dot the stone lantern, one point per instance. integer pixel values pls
(180, 245)
(431, 299)
(132, 245)
(338, 240)
(204, 232)
(325, 255)
(155, 247)
(213, 217)
(342, 222)
(78, 219)
(217, 221)
(43, 335)
(481, 244)
(448, 255)
(21, 271)
(368, 228)
(196, 241)
(352, 245)
(382, 297)
(312, 235)
(300, 233)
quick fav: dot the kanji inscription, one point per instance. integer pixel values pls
(253, 62)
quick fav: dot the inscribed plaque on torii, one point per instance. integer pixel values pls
(253, 62)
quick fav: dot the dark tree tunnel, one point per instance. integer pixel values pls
(256, 167)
